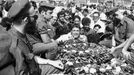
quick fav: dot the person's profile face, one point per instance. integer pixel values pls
(49, 14)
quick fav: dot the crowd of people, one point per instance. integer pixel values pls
(31, 33)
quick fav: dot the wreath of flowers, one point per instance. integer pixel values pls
(84, 58)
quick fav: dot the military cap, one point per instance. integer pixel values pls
(46, 5)
(17, 8)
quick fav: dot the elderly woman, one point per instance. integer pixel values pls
(74, 34)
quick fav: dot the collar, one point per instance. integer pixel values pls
(122, 21)
(17, 33)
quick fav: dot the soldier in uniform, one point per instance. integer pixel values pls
(20, 48)
(44, 28)
(41, 39)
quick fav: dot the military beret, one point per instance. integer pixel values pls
(17, 8)
(46, 5)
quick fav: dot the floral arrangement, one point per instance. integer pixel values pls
(92, 59)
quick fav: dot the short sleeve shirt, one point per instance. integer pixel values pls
(44, 28)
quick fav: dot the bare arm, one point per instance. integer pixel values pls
(46, 38)
(121, 45)
(128, 43)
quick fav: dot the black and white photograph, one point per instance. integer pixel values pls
(66, 37)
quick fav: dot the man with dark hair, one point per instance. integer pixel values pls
(19, 47)
(42, 39)
(94, 37)
(86, 22)
(62, 26)
(85, 12)
(86, 26)
(97, 27)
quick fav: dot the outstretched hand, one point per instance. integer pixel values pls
(126, 54)
(112, 50)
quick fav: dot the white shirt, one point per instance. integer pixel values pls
(102, 24)
(69, 36)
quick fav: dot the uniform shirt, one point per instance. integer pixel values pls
(21, 51)
(43, 27)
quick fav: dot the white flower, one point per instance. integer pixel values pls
(118, 69)
(69, 63)
(124, 65)
(84, 44)
(74, 51)
(114, 62)
(92, 70)
(81, 52)
(102, 69)
(74, 44)
(86, 69)
(66, 46)
(87, 51)
(65, 50)
(68, 51)
(89, 65)
(108, 67)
